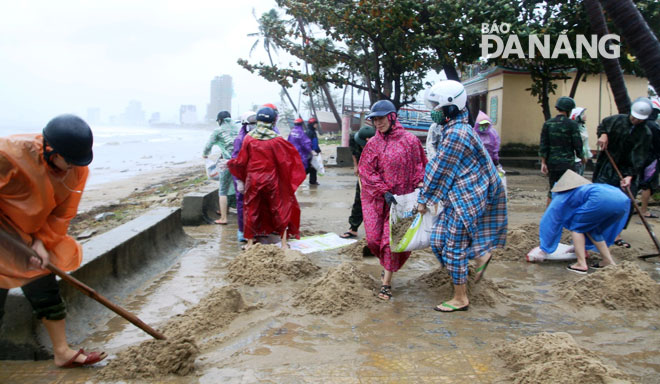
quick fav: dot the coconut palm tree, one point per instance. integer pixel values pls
(611, 66)
(267, 22)
(637, 34)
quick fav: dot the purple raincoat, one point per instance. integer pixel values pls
(394, 163)
(303, 144)
(238, 141)
(489, 138)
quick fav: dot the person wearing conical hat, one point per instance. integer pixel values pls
(594, 213)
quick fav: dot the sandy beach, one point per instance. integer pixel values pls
(237, 317)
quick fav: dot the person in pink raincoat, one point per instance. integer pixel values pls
(392, 163)
(488, 135)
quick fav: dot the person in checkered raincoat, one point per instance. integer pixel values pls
(462, 177)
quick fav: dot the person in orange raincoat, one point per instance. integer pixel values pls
(41, 181)
(270, 170)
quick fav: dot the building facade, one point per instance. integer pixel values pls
(222, 90)
(517, 116)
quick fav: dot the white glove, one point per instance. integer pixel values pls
(240, 186)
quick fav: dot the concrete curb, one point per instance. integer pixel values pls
(199, 207)
(114, 264)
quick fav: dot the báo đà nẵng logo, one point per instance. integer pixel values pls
(509, 45)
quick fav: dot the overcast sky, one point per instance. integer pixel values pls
(66, 56)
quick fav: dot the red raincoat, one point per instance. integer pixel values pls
(37, 202)
(272, 170)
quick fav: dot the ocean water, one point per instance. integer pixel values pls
(121, 152)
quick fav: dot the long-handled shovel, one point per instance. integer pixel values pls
(639, 212)
(25, 251)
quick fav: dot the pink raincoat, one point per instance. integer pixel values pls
(393, 162)
(489, 137)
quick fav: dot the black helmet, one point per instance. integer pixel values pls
(381, 108)
(223, 115)
(565, 104)
(363, 134)
(71, 138)
(266, 114)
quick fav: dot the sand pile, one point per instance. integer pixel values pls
(485, 292)
(176, 355)
(341, 289)
(556, 358)
(522, 239)
(357, 250)
(263, 264)
(399, 229)
(624, 286)
(621, 253)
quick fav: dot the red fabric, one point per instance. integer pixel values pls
(36, 202)
(272, 171)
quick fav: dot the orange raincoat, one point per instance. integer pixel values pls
(37, 201)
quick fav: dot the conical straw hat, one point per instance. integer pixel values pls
(569, 180)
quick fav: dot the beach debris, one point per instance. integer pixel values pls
(86, 234)
(104, 216)
(616, 287)
(341, 289)
(268, 263)
(555, 358)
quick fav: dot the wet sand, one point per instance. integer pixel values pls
(281, 339)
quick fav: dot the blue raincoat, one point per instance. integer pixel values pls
(599, 210)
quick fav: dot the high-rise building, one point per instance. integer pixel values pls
(188, 114)
(222, 89)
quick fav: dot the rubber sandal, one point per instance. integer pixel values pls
(220, 222)
(576, 270)
(347, 235)
(596, 266)
(451, 307)
(651, 216)
(92, 358)
(481, 271)
(385, 290)
(622, 243)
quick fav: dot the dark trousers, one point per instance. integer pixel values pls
(312, 174)
(355, 219)
(44, 296)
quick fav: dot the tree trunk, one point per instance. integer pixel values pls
(576, 82)
(450, 72)
(343, 100)
(638, 36)
(310, 89)
(331, 103)
(293, 105)
(611, 66)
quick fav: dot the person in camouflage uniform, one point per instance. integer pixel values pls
(561, 143)
(628, 139)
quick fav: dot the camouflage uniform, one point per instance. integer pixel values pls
(560, 144)
(629, 146)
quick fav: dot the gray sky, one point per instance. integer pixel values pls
(66, 56)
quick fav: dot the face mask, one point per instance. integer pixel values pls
(483, 128)
(438, 116)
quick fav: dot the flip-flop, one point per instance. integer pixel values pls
(596, 266)
(220, 222)
(622, 243)
(453, 309)
(347, 235)
(92, 358)
(576, 270)
(481, 271)
(651, 216)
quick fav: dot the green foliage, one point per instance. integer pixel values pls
(518, 150)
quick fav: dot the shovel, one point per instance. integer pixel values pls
(13, 244)
(639, 212)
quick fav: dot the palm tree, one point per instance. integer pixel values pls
(637, 34)
(611, 66)
(267, 22)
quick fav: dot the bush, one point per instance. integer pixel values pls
(518, 150)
